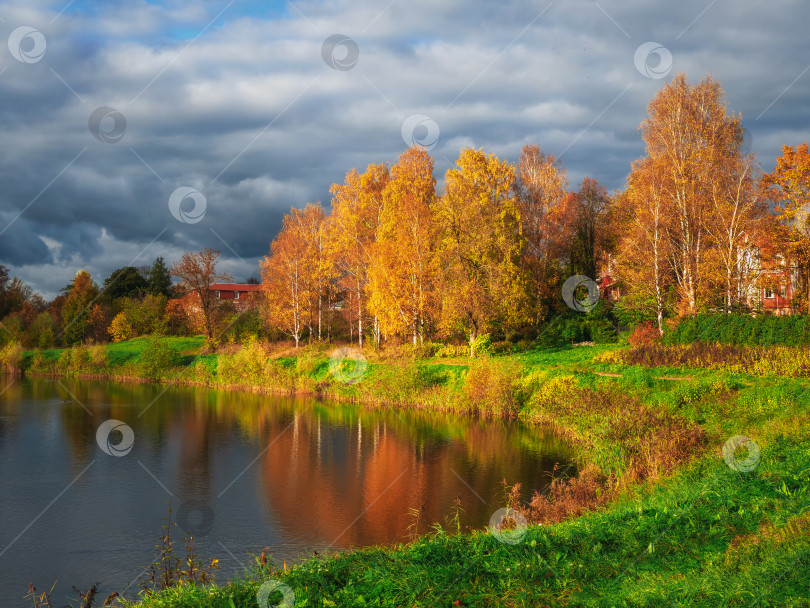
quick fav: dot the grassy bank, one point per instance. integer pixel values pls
(656, 518)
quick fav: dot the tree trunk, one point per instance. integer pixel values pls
(359, 317)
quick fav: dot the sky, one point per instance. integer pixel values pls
(134, 129)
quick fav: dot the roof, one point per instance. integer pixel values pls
(235, 287)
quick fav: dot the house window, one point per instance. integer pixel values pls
(783, 291)
(768, 293)
(235, 295)
(217, 294)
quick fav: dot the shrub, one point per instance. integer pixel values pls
(743, 330)
(157, 358)
(492, 388)
(429, 349)
(611, 357)
(11, 357)
(246, 366)
(80, 359)
(98, 356)
(482, 345)
(453, 350)
(566, 497)
(644, 335)
(39, 364)
(501, 347)
(65, 362)
(120, 328)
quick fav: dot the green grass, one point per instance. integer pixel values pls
(703, 535)
(670, 547)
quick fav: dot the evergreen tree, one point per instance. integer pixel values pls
(160, 281)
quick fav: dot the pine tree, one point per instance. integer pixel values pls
(160, 281)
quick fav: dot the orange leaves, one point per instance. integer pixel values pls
(293, 275)
(693, 194)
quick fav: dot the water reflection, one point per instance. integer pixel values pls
(294, 475)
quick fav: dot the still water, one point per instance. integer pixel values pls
(242, 472)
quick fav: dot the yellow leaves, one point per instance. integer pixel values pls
(480, 243)
(400, 270)
(120, 329)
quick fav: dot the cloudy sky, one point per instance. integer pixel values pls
(133, 129)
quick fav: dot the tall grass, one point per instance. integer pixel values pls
(755, 360)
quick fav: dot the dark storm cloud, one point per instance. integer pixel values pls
(249, 114)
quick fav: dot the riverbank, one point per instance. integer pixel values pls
(656, 517)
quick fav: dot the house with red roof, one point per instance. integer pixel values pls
(239, 294)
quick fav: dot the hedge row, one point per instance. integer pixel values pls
(743, 330)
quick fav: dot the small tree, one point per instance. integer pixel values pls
(197, 272)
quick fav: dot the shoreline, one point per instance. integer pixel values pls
(650, 451)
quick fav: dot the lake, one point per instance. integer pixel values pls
(83, 500)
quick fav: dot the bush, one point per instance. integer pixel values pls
(644, 335)
(157, 358)
(482, 345)
(65, 362)
(247, 366)
(80, 359)
(453, 350)
(11, 357)
(39, 364)
(120, 329)
(743, 330)
(429, 349)
(493, 388)
(98, 356)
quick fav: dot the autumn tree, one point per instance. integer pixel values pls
(540, 188)
(642, 263)
(401, 272)
(197, 272)
(788, 187)
(318, 276)
(479, 246)
(76, 308)
(588, 211)
(736, 220)
(290, 273)
(351, 232)
(689, 137)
